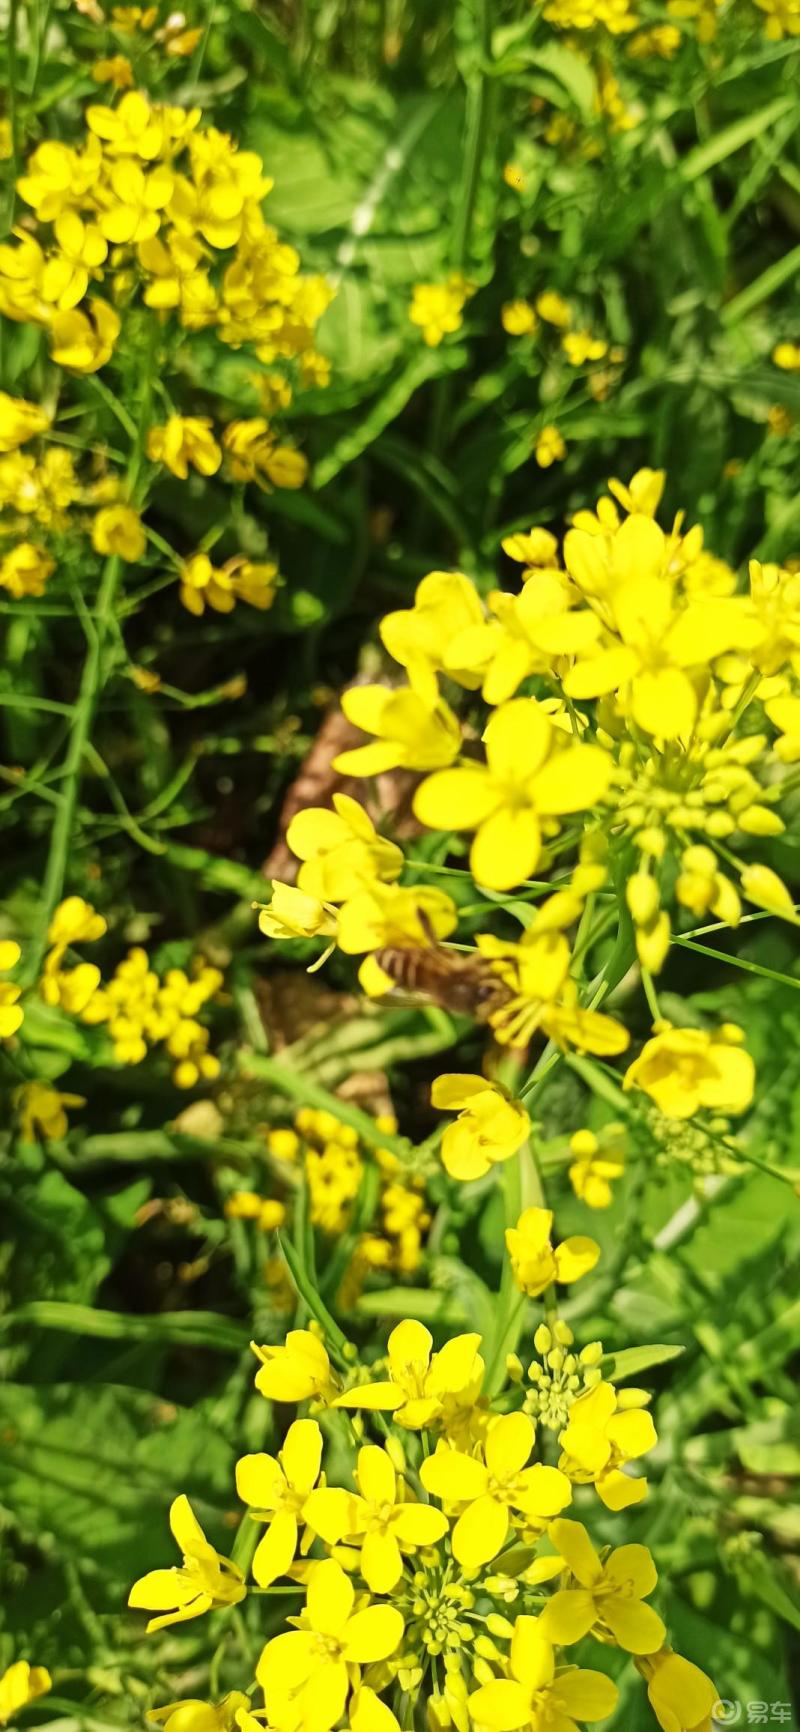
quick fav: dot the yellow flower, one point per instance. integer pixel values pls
(554, 309)
(423, 1389)
(518, 318)
(593, 1169)
(549, 448)
(490, 1126)
(525, 780)
(202, 582)
(84, 342)
(491, 1493)
(11, 1013)
(291, 913)
(787, 356)
(183, 440)
(118, 529)
(340, 850)
(529, 633)
(306, 1673)
(59, 177)
(132, 129)
(296, 1371)
(116, 69)
(411, 734)
(514, 177)
(204, 1582)
(605, 1430)
(394, 916)
(21, 1683)
(178, 278)
(383, 1527)
(82, 250)
(536, 1264)
(75, 922)
(659, 644)
(536, 1695)
(580, 347)
(24, 570)
(438, 308)
(685, 1069)
(42, 1111)
(20, 421)
(783, 18)
(278, 1493)
(253, 453)
(446, 605)
(606, 1597)
(191, 1715)
(681, 1696)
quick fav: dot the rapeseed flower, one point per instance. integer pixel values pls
(534, 1261)
(204, 1582)
(604, 1431)
(490, 1126)
(306, 1674)
(537, 1694)
(340, 850)
(686, 1069)
(496, 1492)
(21, 1683)
(525, 783)
(604, 1597)
(278, 1492)
(375, 1520)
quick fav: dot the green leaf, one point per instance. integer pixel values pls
(731, 138)
(192, 1328)
(419, 1302)
(630, 1361)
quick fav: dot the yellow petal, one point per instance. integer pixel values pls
(373, 1635)
(329, 1511)
(631, 1567)
(480, 1532)
(575, 1257)
(418, 1524)
(509, 1443)
(532, 1657)
(637, 1628)
(369, 1714)
(665, 703)
(506, 848)
(501, 1705)
(381, 1563)
(377, 1480)
(329, 1600)
(568, 1616)
(301, 1455)
(275, 1552)
(517, 740)
(585, 1695)
(572, 1541)
(453, 1477)
(456, 799)
(259, 1481)
(573, 780)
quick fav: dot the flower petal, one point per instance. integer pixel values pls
(275, 1552)
(301, 1455)
(480, 1532)
(373, 1635)
(506, 848)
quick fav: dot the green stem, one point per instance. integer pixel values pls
(96, 669)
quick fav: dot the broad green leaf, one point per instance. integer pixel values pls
(631, 1361)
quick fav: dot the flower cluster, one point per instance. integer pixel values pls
(151, 199)
(335, 1167)
(140, 1008)
(439, 1560)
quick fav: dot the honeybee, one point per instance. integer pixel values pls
(462, 984)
